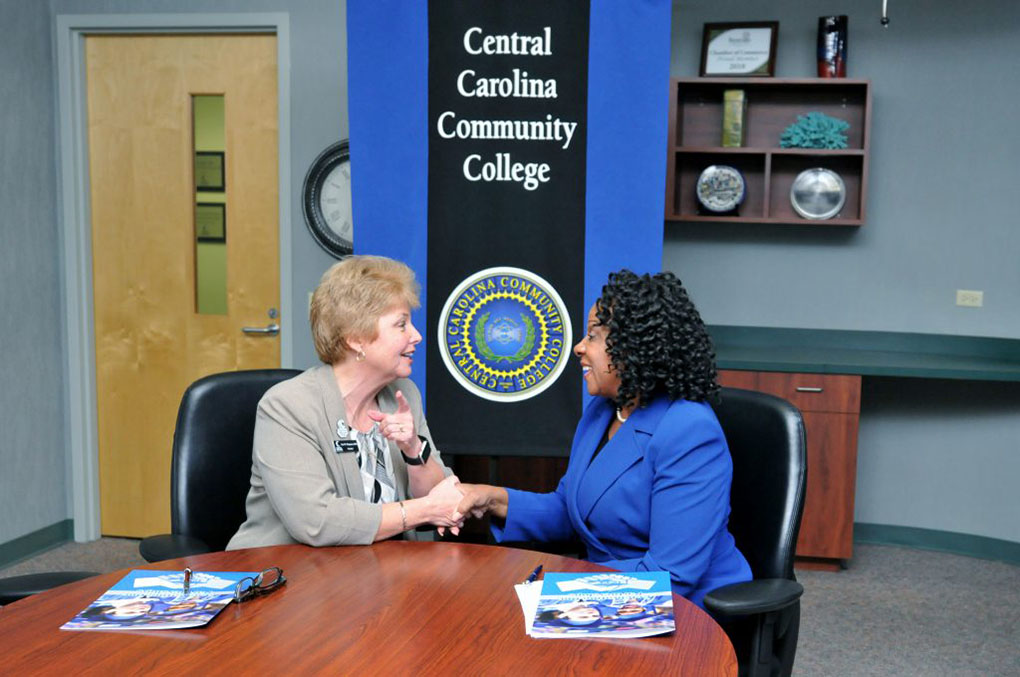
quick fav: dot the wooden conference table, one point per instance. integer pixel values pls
(392, 608)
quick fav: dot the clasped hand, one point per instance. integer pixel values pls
(453, 502)
(474, 500)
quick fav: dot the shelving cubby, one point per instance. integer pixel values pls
(695, 130)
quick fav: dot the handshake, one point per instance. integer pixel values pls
(451, 502)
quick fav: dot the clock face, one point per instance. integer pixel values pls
(327, 200)
(335, 202)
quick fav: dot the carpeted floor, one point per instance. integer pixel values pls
(895, 611)
(103, 556)
(898, 611)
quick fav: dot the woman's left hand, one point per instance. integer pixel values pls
(399, 426)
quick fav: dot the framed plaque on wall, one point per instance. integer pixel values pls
(739, 49)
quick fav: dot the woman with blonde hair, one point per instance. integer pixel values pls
(342, 454)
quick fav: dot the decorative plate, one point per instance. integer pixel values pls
(818, 193)
(721, 188)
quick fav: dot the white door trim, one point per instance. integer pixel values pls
(81, 420)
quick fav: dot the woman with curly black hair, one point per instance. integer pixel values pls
(647, 487)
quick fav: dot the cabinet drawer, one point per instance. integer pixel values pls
(838, 393)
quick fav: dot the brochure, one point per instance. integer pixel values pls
(155, 600)
(630, 604)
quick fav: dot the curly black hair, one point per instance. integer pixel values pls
(656, 339)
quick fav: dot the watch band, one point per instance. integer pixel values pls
(423, 457)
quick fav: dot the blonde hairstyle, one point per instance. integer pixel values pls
(351, 297)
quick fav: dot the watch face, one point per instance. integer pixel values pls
(327, 200)
(335, 201)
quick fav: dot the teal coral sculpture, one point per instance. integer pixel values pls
(815, 130)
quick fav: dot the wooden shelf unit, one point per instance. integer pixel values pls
(695, 130)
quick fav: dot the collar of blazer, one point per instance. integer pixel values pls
(620, 453)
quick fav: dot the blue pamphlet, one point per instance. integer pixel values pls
(625, 604)
(155, 600)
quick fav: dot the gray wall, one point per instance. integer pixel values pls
(940, 455)
(941, 216)
(943, 170)
(33, 468)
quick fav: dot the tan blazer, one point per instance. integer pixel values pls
(302, 490)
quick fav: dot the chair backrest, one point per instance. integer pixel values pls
(767, 443)
(211, 468)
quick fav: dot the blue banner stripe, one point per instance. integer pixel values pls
(387, 63)
(628, 82)
(628, 77)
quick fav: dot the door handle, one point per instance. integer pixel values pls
(806, 389)
(268, 330)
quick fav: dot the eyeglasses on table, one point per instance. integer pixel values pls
(264, 583)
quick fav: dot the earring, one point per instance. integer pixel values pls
(360, 357)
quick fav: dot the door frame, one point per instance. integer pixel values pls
(70, 30)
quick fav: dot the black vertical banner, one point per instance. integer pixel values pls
(507, 121)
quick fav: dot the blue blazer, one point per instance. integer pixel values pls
(656, 498)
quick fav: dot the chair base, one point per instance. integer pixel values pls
(765, 644)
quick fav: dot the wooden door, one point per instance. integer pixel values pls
(150, 341)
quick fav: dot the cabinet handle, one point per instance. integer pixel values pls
(807, 389)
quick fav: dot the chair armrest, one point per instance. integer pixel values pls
(19, 587)
(753, 597)
(171, 546)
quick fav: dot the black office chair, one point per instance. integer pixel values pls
(762, 616)
(14, 588)
(211, 465)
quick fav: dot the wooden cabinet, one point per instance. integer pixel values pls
(695, 131)
(830, 405)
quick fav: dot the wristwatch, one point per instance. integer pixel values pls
(423, 457)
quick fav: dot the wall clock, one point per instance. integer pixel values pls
(326, 200)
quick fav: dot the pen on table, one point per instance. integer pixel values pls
(534, 574)
(187, 581)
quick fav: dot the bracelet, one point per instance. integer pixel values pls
(403, 516)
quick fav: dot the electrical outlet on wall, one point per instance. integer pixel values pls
(970, 298)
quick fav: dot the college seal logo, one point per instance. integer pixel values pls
(504, 334)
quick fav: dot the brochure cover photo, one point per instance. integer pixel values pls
(155, 600)
(632, 604)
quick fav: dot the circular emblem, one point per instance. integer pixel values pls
(504, 334)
